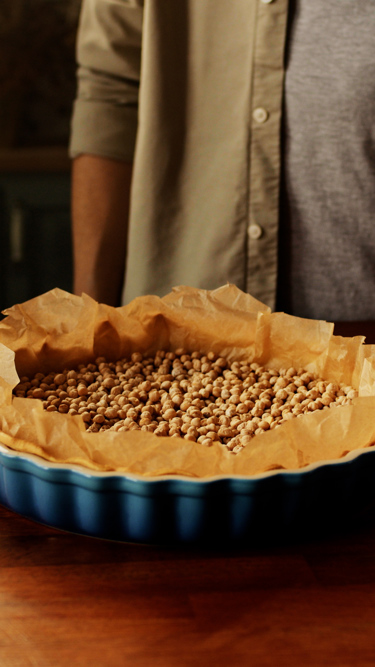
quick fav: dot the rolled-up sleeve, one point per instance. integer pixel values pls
(105, 111)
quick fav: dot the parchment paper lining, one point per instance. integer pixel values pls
(58, 330)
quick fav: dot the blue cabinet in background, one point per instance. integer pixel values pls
(35, 235)
(37, 54)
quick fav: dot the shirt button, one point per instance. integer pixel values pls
(266, 2)
(255, 231)
(260, 115)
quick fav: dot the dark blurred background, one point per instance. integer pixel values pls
(37, 87)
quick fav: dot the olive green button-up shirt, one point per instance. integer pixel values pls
(190, 90)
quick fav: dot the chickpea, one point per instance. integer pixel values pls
(192, 395)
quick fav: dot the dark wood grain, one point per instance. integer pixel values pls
(71, 600)
(67, 599)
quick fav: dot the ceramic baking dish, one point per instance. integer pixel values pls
(224, 511)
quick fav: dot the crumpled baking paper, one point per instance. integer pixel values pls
(58, 330)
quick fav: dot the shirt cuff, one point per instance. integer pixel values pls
(103, 129)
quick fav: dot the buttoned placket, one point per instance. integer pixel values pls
(264, 157)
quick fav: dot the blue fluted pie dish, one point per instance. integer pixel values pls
(224, 511)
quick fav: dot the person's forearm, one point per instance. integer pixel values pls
(100, 208)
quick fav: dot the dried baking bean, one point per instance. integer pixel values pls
(199, 397)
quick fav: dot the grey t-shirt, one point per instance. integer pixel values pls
(328, 194)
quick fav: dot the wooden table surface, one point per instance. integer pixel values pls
(71, 600)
